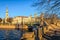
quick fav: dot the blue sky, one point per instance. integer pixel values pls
(17, 8)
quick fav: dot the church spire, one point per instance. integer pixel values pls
(6, 12)
(6, 15)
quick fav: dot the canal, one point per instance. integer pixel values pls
(10, 34)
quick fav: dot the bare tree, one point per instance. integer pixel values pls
(9, 20)
(47, 6)
(0, 20)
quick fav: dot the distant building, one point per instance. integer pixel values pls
(23, 19)
(20, 19)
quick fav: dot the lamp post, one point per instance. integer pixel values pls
(41, 28)
(31, 20)
(35, 17)
(22, 23)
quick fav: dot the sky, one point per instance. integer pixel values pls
(17, 8)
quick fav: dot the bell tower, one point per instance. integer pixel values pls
(6, 16)
(6, 12)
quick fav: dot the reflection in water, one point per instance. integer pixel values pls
(16, 35)
(10, 34)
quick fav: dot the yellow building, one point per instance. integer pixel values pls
(23, 19)
(20, 19)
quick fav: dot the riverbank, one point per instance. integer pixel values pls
(7, 27)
